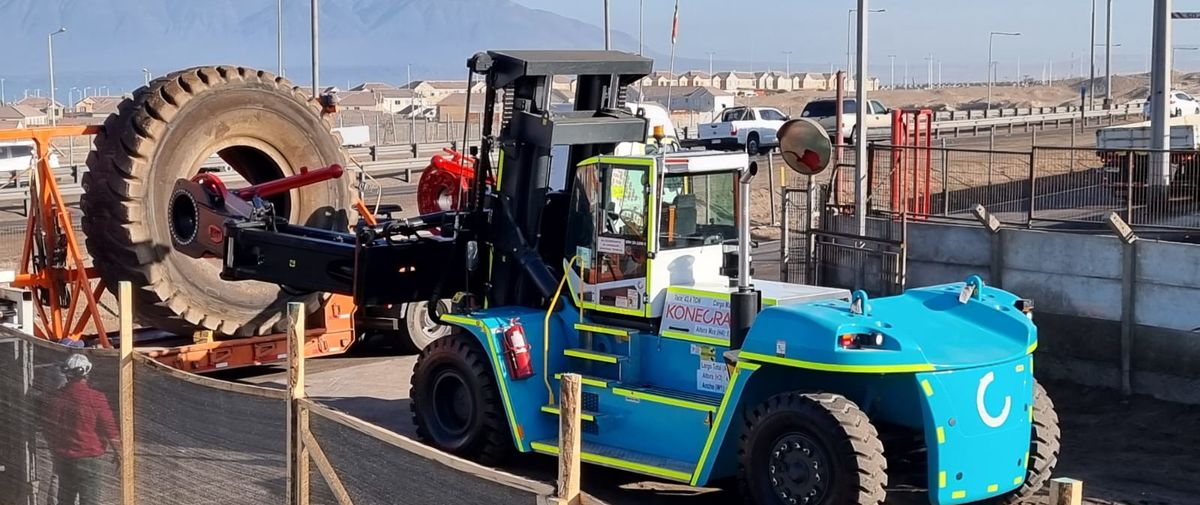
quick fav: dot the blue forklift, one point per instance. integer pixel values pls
(584, 244)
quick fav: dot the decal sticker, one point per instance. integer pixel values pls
(706, 316)
(988, 419)
(585, 257)
(609, 245)
(780, 347)
(712, 377)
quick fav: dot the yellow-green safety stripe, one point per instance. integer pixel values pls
(827, 367)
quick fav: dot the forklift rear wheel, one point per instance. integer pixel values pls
(456, 404)
(1043, 449)
(811, 448)
(421, 329)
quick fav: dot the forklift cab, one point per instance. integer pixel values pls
(640, 224)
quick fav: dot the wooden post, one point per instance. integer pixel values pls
(569, 444)
(125, 387)
(1064, 491)
(297, 452)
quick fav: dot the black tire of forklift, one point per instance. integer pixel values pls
(456, 404)
(266, 127)
(823, 430)
(420, 330)
(1043, 450)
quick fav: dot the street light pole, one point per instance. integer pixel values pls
(607, 28)
(279, 34)
(849, 47)
(788, 66)
(641, 23)
(991, 38)
(146, 75)
(860, 143)
(3, 100)
(710, 63)
(892, 63)
(1091, 87)
(316, 50)
(1108, 45)
(50, 46)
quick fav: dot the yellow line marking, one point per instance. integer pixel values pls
(666, 400)
(914, 367)
(942, 479)
(927, 387)
(958, 495)
(992, 488)
(618, 463)
(941, 434)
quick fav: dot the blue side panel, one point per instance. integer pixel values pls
(728, 414)
(978, 426)
(523, 398)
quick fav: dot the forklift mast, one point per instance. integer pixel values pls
(525, 217)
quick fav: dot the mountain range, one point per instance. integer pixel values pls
(109, 42)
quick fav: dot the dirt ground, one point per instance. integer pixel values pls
(1134, 451)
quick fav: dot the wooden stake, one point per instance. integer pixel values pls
(125, 387)
(569, 444)
(297, 457)
(1064, 491)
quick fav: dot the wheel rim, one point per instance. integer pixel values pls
(453, 408)
(798, 470)
(432, 328)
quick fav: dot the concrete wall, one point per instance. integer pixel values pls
(1082, 301)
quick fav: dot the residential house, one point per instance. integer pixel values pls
(452, 108)
(358, 100)
(810, 80)
(436, 90)
(23, 116)
(695, 78)
(698, 99)
(733, 82)
(98, 106)
(41, 103)
(768, 81)
(373, 86)
(395, 100)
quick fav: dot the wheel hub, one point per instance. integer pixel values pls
(452, 403)
(798, 469)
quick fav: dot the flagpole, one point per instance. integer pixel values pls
(674, 37)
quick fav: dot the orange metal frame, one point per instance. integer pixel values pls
(48, 218)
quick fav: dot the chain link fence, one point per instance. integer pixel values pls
(201, 441)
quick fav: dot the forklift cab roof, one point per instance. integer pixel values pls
(508, 66)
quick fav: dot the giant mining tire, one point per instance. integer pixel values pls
(262, 127)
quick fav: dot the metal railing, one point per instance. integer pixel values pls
(1038, 187)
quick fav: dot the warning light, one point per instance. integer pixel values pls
(860, 340)
(659, 134)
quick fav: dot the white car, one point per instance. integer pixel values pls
(754, 129)
(824, 112)
(1180, 104)
(18, 157)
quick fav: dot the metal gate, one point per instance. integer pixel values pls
(822, 247)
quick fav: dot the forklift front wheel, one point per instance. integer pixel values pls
(814, 448)
(456, 404)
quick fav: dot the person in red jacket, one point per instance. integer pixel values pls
(80, 430)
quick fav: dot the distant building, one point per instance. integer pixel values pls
(564, 84)
(373, 86)
(810, 81)
(439, 89)
(698, 99)
(768, 81)
(23, 116)
(695, 78)
(452, 108)
(41, 103)
(394, 100)
(735, 82)
(98, 106)
(358, 100)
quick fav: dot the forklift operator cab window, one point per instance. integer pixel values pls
(608, 232)
(697, 210)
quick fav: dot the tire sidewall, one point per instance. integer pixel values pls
(433, 362)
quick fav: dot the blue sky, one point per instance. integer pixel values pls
(955, 31)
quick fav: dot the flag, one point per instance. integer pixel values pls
(675, 24)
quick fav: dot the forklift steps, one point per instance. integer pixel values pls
(590, 355)
(623, 459)
(585, 415)
(616, 331)
(693, 401)
(588, 380)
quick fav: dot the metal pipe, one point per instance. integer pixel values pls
(743, 281)
(1159, 173)
(860, 143)
(607, 28)
(1091, 87)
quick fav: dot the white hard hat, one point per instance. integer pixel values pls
(77, 365)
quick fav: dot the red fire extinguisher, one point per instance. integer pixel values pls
(516, 348)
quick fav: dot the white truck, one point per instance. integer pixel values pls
(1124, 147)
(754, 129)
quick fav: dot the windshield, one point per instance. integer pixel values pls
(697, 210)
